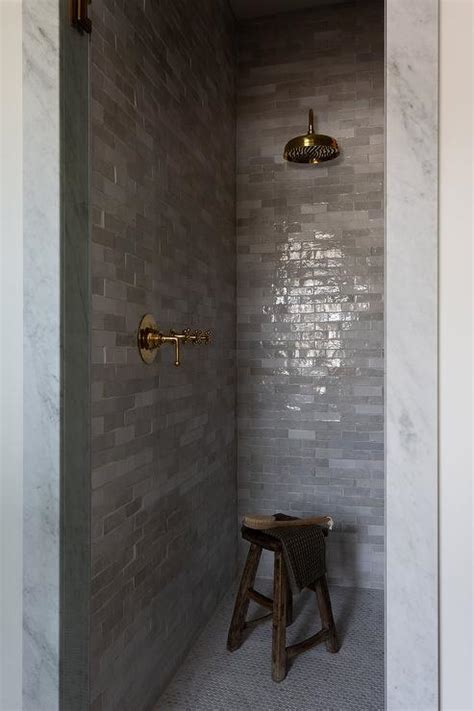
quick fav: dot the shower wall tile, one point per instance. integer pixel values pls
(164, 456)
(310, 279)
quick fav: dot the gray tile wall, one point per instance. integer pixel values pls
(164, 457)
(310, 278)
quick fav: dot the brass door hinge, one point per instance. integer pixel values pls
(78, 15)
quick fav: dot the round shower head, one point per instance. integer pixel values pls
(312, 147)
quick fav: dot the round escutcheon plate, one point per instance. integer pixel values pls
(147, 324)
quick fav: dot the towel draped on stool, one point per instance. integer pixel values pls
(304, 552)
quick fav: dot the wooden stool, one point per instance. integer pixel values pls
(281, 607)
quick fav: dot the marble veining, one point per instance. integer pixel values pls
(41, 355)
(411, 347)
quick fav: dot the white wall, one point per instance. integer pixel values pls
(456, 354)
(11, 356)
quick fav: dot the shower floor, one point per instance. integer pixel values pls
(212, 679)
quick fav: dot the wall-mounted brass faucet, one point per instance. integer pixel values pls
(149, 339)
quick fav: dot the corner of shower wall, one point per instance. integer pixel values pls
(75, 519)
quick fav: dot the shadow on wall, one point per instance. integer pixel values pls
(343, 553)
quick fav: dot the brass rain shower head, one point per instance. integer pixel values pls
(312, 147)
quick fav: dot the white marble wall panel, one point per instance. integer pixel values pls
(41, 355)
(11, 366)
(411, 355)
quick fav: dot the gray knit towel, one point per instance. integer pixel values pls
(304, 552)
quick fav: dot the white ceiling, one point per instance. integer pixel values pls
(257, 8)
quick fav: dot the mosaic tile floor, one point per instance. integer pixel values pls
(212, 679)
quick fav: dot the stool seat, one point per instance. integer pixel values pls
(265, 522)
(281, 606)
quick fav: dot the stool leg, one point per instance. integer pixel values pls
(242, 601)
(289, 601)
(279, 619)
(325, 610)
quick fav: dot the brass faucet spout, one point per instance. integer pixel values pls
(174, 339)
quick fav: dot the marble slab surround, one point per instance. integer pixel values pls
(55, 363)
(411, 292)
(41, 360)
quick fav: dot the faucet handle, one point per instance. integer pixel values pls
(187, 335)
(198, 336)
(202, 336)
